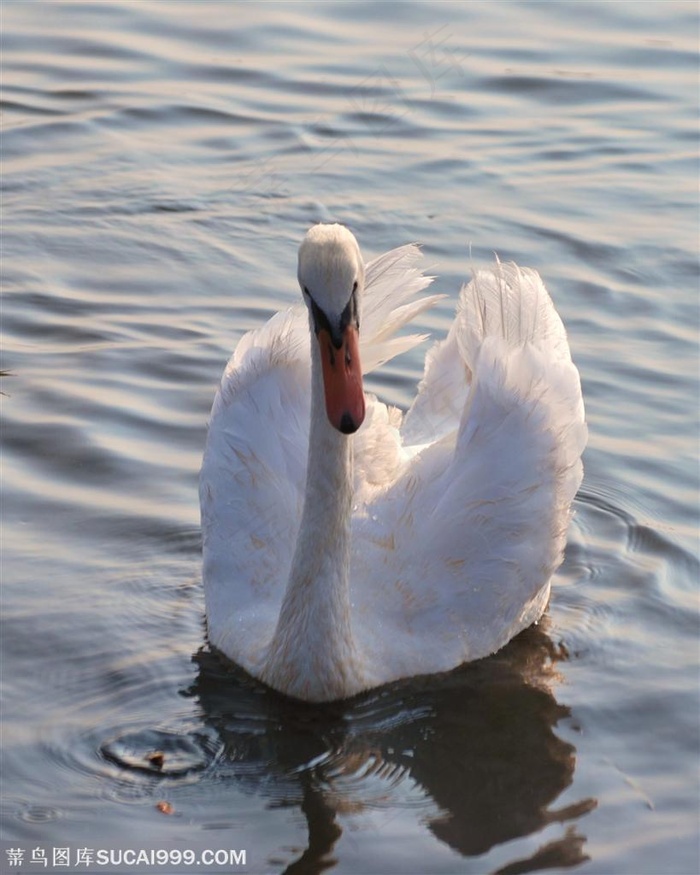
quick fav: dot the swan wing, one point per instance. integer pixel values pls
(252, 483)
(454, 555)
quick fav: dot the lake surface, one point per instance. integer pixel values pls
(161, 163)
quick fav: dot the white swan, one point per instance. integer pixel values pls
(335, 562)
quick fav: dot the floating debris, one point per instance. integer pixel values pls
(156, 758)
(167, 754)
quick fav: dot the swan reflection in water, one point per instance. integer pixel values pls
(478, 743)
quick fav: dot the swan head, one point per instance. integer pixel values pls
(332, 277)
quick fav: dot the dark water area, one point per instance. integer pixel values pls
(161, 162)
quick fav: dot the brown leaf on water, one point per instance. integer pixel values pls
(156, 758)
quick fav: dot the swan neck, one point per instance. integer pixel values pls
(312, 653)
(328, 497)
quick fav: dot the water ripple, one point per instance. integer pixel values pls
(161, 162)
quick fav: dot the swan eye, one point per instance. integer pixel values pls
(349, 314)
(321, 322)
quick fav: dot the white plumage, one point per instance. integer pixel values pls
(440, 544)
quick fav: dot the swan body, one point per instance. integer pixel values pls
(347, 545)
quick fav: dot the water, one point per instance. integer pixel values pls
(161, 162)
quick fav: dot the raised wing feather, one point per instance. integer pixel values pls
(391, 283)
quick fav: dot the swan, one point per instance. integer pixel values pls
(346, 545)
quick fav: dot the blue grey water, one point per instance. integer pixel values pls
(161, 162)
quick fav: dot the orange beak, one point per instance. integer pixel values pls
(342, 380)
